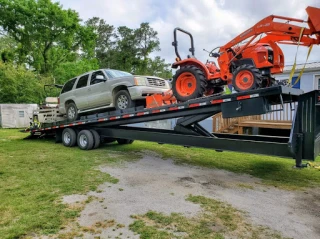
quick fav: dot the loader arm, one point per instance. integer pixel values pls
(275, 32)
(269, 27)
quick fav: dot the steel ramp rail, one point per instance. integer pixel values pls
(214, 104)
(303, 143)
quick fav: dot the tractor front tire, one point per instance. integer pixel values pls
(188, 83)
(246, 77)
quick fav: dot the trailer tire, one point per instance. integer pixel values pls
(69, 137)
(96, 138)
(124, 141)
(85, 140)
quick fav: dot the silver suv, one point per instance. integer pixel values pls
(106, 88)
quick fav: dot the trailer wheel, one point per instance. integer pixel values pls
(85, 140)
(69, 137)
(96, 138)
(124, 141)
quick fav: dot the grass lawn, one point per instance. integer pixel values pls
(35, 174)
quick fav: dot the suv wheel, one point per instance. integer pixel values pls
(123, 100)
(72, 112)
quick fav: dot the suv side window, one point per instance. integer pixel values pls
(83, 81)
(68, 86)
(93, 77)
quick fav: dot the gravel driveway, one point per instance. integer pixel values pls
(160, 185)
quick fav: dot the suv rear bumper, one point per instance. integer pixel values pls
(140, 92)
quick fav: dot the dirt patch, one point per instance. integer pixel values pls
(160, 185)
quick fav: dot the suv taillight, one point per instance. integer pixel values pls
(58, 101)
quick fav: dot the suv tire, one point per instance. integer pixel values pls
(72, 112)
(122, 100)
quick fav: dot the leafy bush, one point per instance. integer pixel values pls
(20, 85)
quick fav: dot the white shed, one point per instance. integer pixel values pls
(16, 115)
(310, 79)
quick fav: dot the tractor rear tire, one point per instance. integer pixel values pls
(246, 77)
(188, 83)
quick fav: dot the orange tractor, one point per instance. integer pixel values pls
(246, 66)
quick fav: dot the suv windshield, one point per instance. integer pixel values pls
(114, 73)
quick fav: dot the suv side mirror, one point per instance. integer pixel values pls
(100, 77)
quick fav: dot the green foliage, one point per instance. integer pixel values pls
(52, 41)
(19, 85)
(67, 70)
(158, 67)
(105, 40)
(46, 34)
(128, 49)
(7, 46)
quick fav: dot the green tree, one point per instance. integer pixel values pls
(147, 42)
(126, 52)
(158, 67)
(68, 70)
(7, 48)
(19, 85)
(105, 40)
(46, 34)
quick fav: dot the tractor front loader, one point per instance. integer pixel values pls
(246, 65)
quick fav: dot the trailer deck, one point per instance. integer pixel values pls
(303, 142)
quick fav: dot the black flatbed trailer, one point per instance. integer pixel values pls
(303, 143)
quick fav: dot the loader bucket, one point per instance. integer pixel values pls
(314, 18)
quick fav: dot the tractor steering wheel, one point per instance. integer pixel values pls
(217, 54)
(214, 54)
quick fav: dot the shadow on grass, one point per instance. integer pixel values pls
(264, 168)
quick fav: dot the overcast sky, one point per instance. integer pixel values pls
(212, 22)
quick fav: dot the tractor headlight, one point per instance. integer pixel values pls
(140, 81)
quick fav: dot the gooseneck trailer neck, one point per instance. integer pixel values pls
(303, 143)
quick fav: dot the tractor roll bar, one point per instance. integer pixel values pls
(175, 42)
